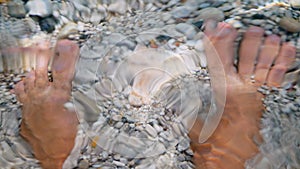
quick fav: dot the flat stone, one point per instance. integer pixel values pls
(119, 124)
(226, 8)
(40, 8)
(188, 30)
(96, 17)
(290, 24)
(16, 9)
(257, 22)
(181, 12)
(211, 13)
(199, 46)
(85, 71)
(145, 38)
(119, 164)
(119, 7)
(115, 38)
(183, 145)
(150, 130)
(83, 164)
(204, 5)
(116, 117)
(166, 16)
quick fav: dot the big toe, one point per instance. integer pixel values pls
(219, 47)
(63, 67)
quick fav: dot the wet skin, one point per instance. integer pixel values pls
(237, 137)
(51, 129)
(46, 124)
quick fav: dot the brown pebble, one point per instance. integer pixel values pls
(290, 24)
(177, 43)
(83, 164)
(3, 1)
(153, 44)
(94, 141)
(211, 13)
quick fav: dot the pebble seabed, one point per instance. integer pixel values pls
(147, 136)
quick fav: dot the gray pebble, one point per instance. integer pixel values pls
(115, 38)
(40, 8)
(16, 9)
(119, 7)
(187, 29)
(181, 12)
(119, 124)
(150, 130)
(119, 164)
(183, 145)
(257, 22)
(211, 13)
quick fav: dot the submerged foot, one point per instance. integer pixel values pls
(46, 124)
(236, 138)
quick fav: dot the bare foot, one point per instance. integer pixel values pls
(236, 139)
(46, 124)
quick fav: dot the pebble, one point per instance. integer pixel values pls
(257, 22)
(47, 24)
(295, 4)
(119, 124)
(211, 13)
(115, 38)
(96, 17)
(199, 46)
(181, 12)
(68, 29)
(187, 29)
(183, 145)
(204, 5)
(42, 8)
(119, 164)
(119, 7)
(151, 130)
(117, 117)
(290, 24)
(83, 164)
(16, 9)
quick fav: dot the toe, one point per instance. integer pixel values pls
(266, 58)
(219, 46)
(20, 91)
(63, 67)
(249, 51)
(43, 56)
(285, 58)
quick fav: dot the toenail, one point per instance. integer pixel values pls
(274, 38)
(290, 45)
(255, 29)
(226, 30)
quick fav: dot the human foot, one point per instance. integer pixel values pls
(237, 136)
(46, 124)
